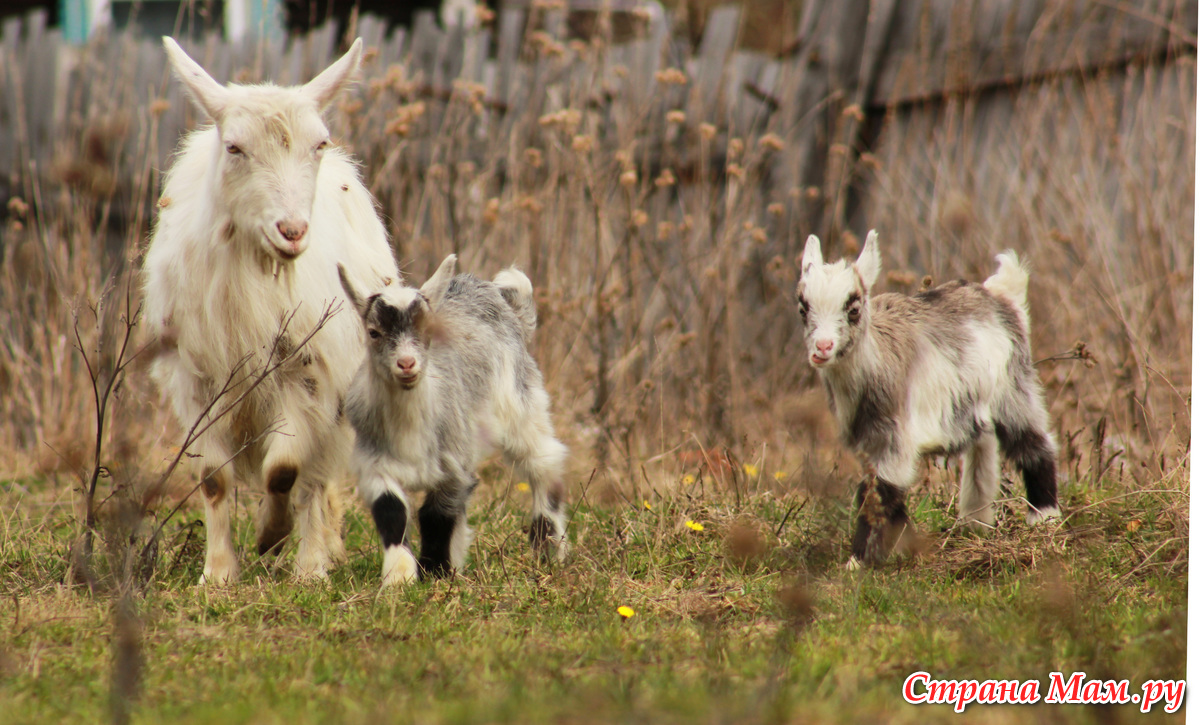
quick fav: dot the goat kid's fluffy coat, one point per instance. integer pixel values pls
(945, 371)
(448, 377)
(257, 212)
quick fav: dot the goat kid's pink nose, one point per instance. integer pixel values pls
(406, 363)
(824, 345)
(291, 230)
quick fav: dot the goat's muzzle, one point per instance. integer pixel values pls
(407, 372)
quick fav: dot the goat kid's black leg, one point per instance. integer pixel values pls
(391, 519)
(881, 521)
(437, 518)
(1033, 453)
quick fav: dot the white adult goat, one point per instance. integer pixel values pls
(945, 371)
(257, 212)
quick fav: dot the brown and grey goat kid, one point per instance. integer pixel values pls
(448, 378)
(945, 371)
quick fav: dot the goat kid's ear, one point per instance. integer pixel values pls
(812, 255)
(325, 87)
(210, 96)
(435, 287)
(351, 293)
(868, 263)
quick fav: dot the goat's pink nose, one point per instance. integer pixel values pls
(406, 363)
(292, 231)
(824, 345)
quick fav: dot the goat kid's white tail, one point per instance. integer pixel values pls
(1011, 282)
(518, 292)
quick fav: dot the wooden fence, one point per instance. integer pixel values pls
(60, 103)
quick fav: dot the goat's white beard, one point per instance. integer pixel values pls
(274, 266)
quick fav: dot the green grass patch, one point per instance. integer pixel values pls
(752, 619)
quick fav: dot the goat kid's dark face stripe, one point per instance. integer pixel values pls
(385, 320)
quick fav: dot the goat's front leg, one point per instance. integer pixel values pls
(289, 447)
(881, 522)
(220, 559)
(389, 507)
(445, 536)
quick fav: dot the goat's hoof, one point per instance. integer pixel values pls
(211, 578)
(976, 526)
(399, 566)
(1037, 516)
(312, 575)
(854, 564)
(548, 540)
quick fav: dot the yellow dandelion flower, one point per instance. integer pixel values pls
(647, 505)
(694, 526)
(523, 487)
(625, 611)
(689, 479)
(780, 475)
(750, 469)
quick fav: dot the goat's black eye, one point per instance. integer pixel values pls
(853, 314)
(234, 149)
(374, 334)
(802, 306)
(321, 146)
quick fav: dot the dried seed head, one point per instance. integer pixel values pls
(707, 131)
(491, 211)
(676, 116)
(581, 144)
(671, 76)
(771, 141)
(666, 178)
(776, 209)
(629, 178)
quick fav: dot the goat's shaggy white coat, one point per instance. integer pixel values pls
(944, 371)
(257, 212)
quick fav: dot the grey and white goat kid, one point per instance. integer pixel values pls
(447, 379)
(945, 371)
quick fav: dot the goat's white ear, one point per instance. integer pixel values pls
(435, 287)
(325, 87)
(351, 293)
(209, 95)
(868, 263)
(812, 255)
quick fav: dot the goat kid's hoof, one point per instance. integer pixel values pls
(1038, 516)
(854, 564)
(217, 579)
(399, 567)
